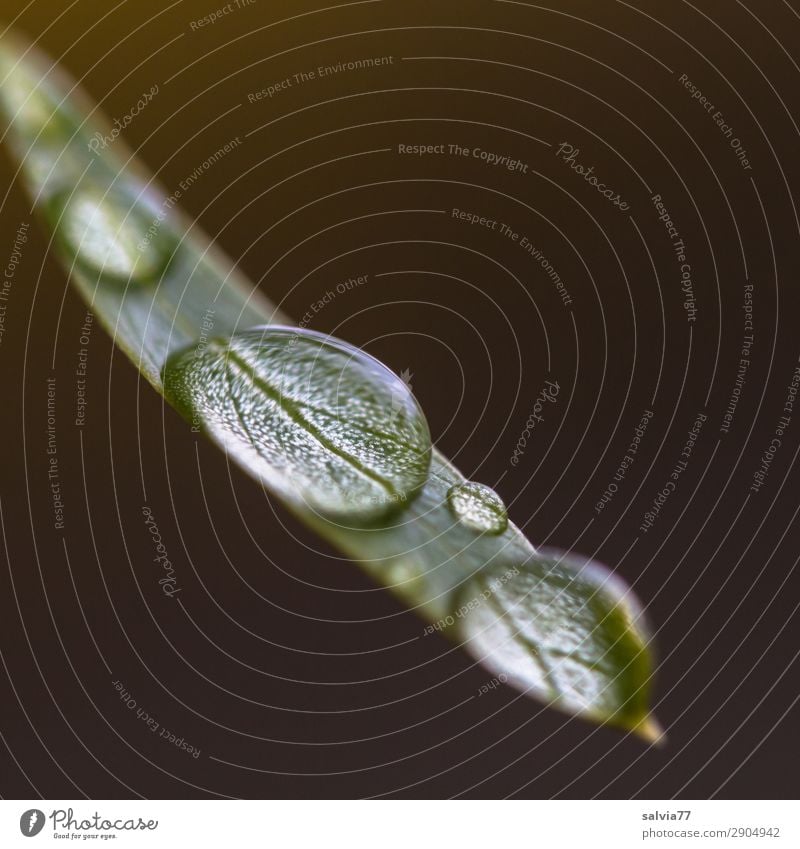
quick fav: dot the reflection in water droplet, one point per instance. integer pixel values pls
(478, 507)
(563, 629)
(107, 232)
(323, 423)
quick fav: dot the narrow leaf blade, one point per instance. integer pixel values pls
(568, 633)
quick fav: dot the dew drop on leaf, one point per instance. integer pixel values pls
(567, 631)
(320, 422)
(478, 507)
(25, 97)
(109, 233)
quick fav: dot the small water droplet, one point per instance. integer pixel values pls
(108, 233)
(323, 423)
(478, 507)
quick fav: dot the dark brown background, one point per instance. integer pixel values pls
(294, 675)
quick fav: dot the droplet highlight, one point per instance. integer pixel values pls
(110, 234)
(478, 507)
(321, 422)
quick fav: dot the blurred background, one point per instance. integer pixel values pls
(290, 672)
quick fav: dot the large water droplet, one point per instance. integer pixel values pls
(478, 507)
(563, 629)
(108, 233)
(321, 422)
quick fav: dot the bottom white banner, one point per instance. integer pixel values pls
(390, 824)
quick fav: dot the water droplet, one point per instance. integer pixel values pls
(564, 629)
(108, 233)
(323, 423)
(28, 100)
(42, 128)
(478, 507)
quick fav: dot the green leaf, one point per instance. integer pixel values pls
(329, 430)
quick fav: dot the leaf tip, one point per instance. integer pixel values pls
(650, 730)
